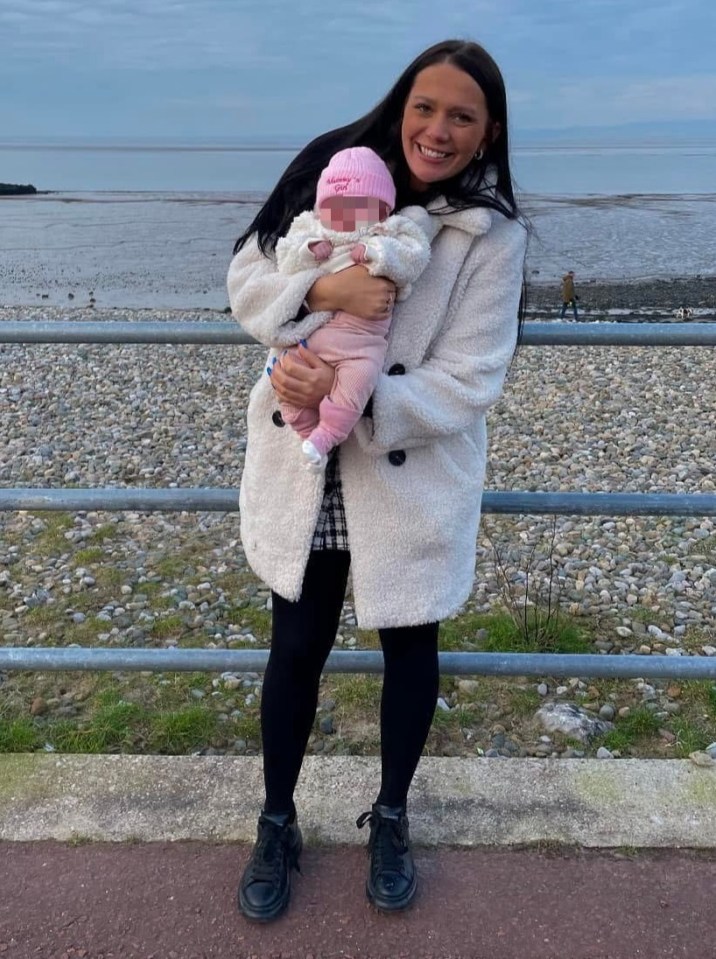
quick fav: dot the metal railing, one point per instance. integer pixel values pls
(226, 500)
(230, 333)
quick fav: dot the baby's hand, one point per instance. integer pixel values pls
(358, 253)
(321, 249)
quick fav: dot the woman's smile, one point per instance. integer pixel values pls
(432, 154)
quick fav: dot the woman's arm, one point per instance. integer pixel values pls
(353, 290)
(267, 302)
(465, 371)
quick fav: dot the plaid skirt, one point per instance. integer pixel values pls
(331, 532)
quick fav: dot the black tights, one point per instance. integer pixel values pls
(301, 638)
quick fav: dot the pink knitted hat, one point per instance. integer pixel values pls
(358, 171)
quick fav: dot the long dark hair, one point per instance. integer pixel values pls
(380, 130)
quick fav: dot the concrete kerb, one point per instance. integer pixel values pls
(466, 802)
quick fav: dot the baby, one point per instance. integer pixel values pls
(351, 224)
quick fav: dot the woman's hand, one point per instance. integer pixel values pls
(303, 382)
(355, 291)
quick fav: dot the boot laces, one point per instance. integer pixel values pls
(273, 848)
(387, 841)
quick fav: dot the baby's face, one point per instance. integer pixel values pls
(348, 213)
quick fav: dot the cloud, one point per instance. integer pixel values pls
(111, 34)
(146, 64)
(613, 101)
(683, 98)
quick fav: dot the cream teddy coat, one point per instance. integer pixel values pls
(412, 475)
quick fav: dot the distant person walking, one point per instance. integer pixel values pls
(569, 297)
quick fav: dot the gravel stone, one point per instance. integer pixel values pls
(326, 725)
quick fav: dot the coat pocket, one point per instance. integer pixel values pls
(461, 457)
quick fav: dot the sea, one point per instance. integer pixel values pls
(151, 225)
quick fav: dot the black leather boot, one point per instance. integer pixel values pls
(392, 882)
(265, 887)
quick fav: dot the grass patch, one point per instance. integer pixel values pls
(458, 633)
(52, 537)
(150, 588)
(88, 601)
(248, 728)
(690, 736)
(87, 556)
(706, 546)
(85, 634)
(694, 638)
(458, 717)
(525, 702)
(256, 619)
(115, 725)
(18, 736)
(171, 567)
(181, 564)
(537, 632)
(181, 731)
(701, 695)
(233, 583)
(638, 725)
(109, 577)
(640, 614)
(358, 692)
(168, 626)
(43, 617)
(695, 726)
(164, 602)
(101, 534)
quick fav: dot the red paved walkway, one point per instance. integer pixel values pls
(164, 901)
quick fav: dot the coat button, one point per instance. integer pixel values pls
(277, 418)
(396, 457)
(397, 369)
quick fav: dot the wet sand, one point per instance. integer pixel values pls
(171, 251)
(654, 300)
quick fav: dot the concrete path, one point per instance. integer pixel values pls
(463, 802)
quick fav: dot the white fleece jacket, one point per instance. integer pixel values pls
(412, 475)
(397, 248)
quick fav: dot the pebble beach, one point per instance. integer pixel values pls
(597, 419)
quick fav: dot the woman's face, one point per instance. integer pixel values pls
(445, 123)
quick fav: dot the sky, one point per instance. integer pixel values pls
(277, 71)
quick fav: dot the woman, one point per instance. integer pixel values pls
(401, 499)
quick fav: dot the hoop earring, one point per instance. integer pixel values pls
(479, 155)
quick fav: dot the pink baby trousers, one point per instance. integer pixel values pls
(356, 349)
